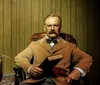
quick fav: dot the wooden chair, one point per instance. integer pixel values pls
(20, 74)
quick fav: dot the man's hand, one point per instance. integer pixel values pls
(74, 75)
(35, 71)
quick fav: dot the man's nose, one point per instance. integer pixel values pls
(52, 27)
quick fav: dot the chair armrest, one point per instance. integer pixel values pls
(19, 75)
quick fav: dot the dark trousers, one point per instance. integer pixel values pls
(48, 81)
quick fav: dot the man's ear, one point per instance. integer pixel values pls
(44, 28)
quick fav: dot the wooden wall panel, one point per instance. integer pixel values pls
(65, 14)
(7, 35)
(41, 15)
(17, 25)
(28, 24)
(53, 6)
(92, 26)
(13, 31)
(21, 18)
(47, 7)
(1, 26)
(58, 7)
(81, 25)
(73, 18)
(85, 28)
(35, 14)
(93, 39)
(22, 24)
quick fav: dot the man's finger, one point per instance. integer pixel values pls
(68, 80)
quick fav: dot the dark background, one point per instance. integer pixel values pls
(94, 15)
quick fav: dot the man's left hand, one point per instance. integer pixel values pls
(74, 75)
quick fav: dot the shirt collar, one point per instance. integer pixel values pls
(54, 39)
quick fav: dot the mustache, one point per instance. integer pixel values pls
(52, 32)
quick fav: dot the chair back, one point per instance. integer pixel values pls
(37, 36)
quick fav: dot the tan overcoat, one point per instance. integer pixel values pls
(40, 50)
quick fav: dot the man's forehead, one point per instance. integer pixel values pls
(52, 20)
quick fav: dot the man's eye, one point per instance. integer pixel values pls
(56, 25)
(48, 25)
(52, 25)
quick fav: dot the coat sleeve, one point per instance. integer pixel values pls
(81, 59)
(23, 58)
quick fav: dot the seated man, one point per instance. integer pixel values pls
(50, 45)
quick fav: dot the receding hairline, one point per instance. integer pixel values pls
(53, 15)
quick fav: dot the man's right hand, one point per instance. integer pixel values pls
(35, 71)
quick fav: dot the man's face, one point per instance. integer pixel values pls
(52, 27)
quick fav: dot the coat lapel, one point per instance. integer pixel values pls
(61, 44)
(44, 44)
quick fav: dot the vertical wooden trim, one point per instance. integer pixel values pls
(58, 7)
(41, 15)
(80, 21)
(85, 46)
(65, 14)
(22, 24)
(13, 31)
(82, 24)
(1, 25)
(7, 35)
(53, 7)
(91, 37)
(73, 18)
(28, 20)
(35, 11)
(18, 25)
(47, 7)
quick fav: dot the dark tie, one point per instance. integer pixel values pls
(52, 41)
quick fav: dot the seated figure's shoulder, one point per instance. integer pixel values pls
(33, 43)
(68, 43)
